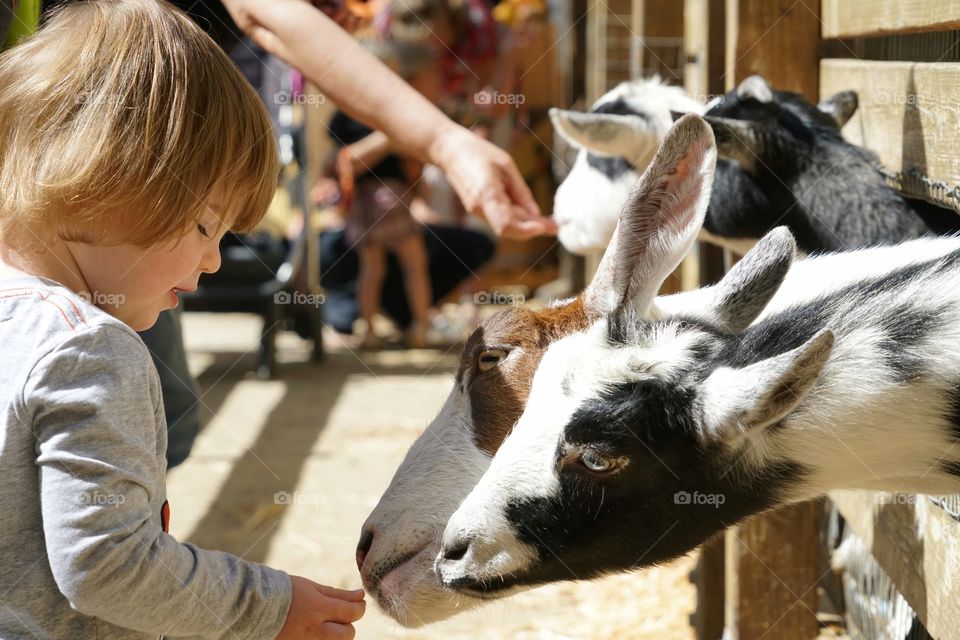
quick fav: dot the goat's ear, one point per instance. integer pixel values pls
(747, 288)
(840, 106)
(737, 140)
(659, 222)
(736, 401)
(606, 134)
(755, 87)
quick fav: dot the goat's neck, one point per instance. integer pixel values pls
(885, 439)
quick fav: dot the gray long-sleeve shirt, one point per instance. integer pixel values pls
(83, 552)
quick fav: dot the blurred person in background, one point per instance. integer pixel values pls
(377, 187)
(465, 39)
(529, 79)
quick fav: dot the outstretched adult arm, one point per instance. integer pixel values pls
(484, 176)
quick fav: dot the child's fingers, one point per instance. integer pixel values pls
(337, 610)
(334, 631)
(350, 596)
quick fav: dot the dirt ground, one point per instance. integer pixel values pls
(331, 436)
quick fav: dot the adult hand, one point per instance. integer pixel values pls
(489, 184)
(318, 612)
(485, 177)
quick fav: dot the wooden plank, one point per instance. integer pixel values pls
(918, 545)
(703, 41)
(848, 18)
(771, 562)
(696, 38)
(908, 115)
(709, 580)
(772, 594)
(658, 19)
(596, 54)
(779, 39)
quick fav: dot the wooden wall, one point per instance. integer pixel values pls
(762, 581)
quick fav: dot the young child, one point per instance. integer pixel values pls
(129, 144)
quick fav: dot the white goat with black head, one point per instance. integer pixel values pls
(616, 139)
(645, 434)
(782, 161)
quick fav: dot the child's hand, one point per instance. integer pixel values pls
(320, 612)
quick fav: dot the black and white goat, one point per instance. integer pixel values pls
(402, 536)
(616, 140)
(782, 161)
(646, 434)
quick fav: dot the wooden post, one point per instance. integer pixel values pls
(779, 39)
(771, 560)
(596, 53)
(608, 46)
(703, 41)
(772, 590)
(704, 44)
(656, 24)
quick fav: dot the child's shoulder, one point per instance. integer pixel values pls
(38, 316)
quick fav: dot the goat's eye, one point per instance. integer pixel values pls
(596, 462)
(489, 358)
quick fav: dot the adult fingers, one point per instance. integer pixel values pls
(495, 208)
(530, 228)
(517, 188)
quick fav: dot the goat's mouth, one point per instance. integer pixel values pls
(403, 586)
(374, 581)
(484, 588)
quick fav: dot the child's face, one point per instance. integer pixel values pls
(134, 284)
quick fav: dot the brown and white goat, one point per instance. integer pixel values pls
(402, 536)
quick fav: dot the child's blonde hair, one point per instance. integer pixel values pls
(118, 121)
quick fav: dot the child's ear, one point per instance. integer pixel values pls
(659, 222)
(738, 401)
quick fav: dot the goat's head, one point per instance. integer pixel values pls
(616, 139)
(402, 537)
(775, 131)
(635, 443)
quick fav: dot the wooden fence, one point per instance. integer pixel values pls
(765, 579)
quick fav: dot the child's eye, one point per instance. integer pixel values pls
(203, 230)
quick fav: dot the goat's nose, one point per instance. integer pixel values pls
(366, 541)
(455, 550)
